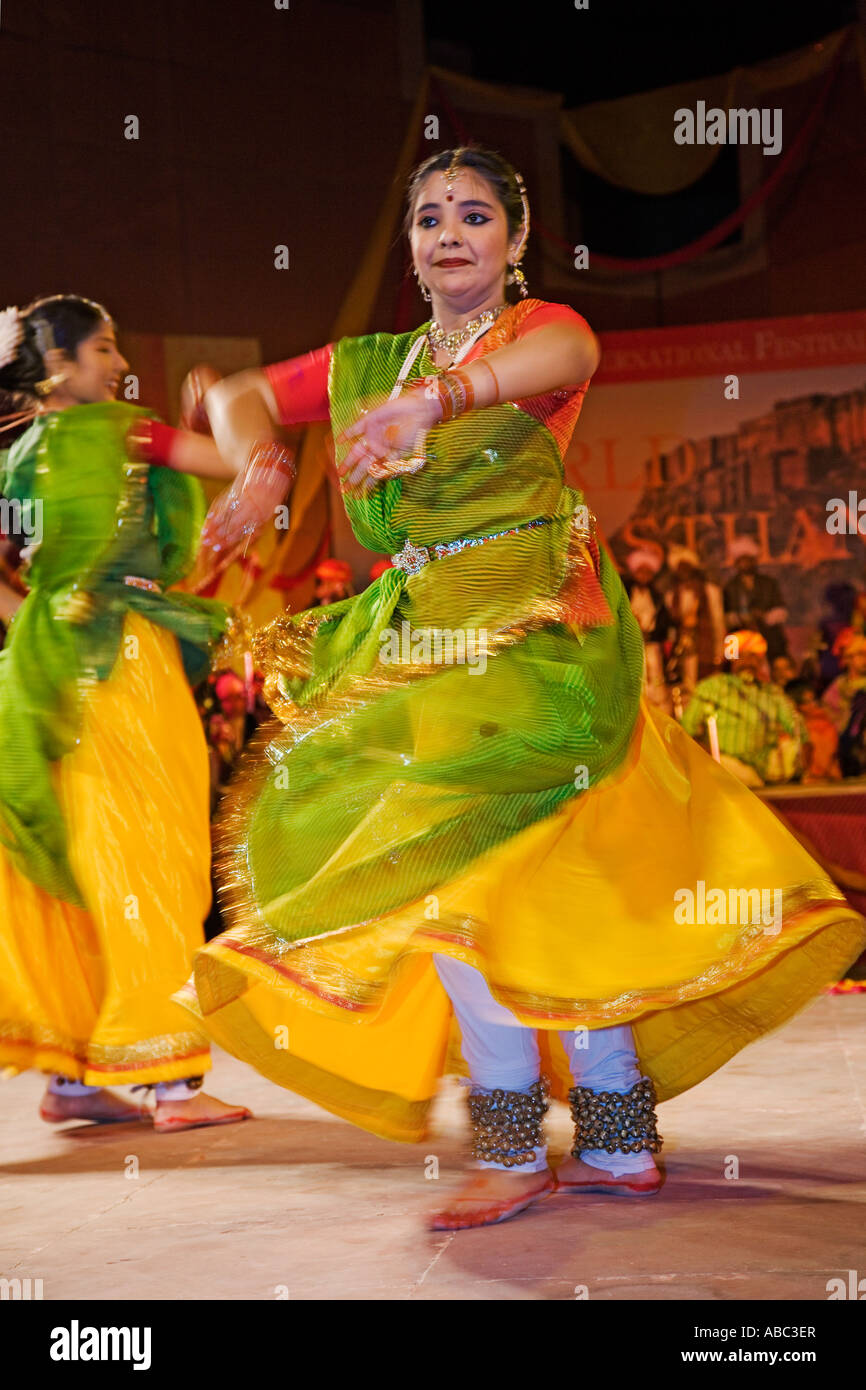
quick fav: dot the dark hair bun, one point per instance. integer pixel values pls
(56, 321)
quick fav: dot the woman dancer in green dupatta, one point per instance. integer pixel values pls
(465, 807)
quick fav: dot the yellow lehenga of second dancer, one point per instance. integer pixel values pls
(105, 858)
(526, 813)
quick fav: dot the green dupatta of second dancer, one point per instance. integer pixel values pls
(405, 749)
(100, 517)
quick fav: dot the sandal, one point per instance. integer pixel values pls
(626, 1185)
(449, 1220)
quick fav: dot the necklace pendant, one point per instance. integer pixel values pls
(440, 341)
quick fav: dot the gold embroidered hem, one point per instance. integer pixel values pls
(572, 921)
(170, 1058)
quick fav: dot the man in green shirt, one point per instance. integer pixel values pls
(759, 729)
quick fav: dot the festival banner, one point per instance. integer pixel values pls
(701, 434)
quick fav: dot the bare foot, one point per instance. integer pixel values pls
(490, 1195)
(200, 1110)
(103, 1107)
(573, 1175)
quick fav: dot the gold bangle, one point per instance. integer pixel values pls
(452, 395)
(469, 390)
(446, 399)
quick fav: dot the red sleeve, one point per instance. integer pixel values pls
(300, 385)
(543, 314)
(150, 441)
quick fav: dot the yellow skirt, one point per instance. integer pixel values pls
(583, 919)
(89, 993)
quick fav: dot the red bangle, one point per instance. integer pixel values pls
(269, 454)
(150, 441)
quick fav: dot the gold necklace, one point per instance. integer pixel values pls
(452, 342)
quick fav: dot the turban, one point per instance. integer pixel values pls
(744, 545)
(749, 641)
(639, 558)
(848, 642)
(228, 684)
(334, 569)
(377, 570)
(678, 553)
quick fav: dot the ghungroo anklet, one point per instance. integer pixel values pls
(507, 1124)
(615, 1122)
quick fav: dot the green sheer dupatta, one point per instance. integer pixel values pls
(98, 516)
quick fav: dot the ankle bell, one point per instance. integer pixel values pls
(507, 1125)
(615, 1122)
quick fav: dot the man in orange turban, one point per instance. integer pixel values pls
(759, 730)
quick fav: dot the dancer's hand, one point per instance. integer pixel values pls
(388, 440)
(253, 497)
(230, 518)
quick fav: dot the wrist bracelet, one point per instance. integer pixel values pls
(464, 379)
(456, 393)
(269, 454)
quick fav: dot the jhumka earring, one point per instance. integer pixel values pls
(425, 293)
(515, 275)
(44, 335)
(49, 384)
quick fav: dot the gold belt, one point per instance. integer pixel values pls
(413, 558)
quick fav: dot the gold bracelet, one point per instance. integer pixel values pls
(463, 376)
(448, 397)
(453, 395)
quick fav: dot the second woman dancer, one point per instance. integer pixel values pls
(104, 866)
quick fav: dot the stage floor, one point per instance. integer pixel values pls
(299, 1205)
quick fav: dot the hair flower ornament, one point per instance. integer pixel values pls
(11, 333)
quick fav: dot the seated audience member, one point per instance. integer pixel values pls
(858, 615)
(759, 730)
(783, 670)
(649, 607)
(821, 739)
(697, 613)
(852, 741)
(850, 650)
(754, 600)
(837, 620)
